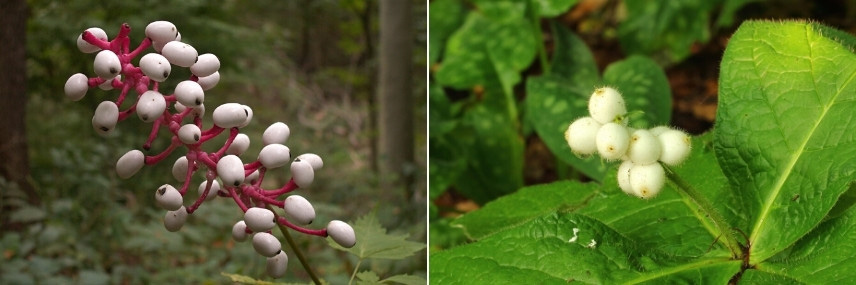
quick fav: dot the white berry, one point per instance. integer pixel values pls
(266, 244)
(168, 198)
(76, 86)
(230, 168)
(212, 193)
(342, 233)
(239, 231)
(612, 141)
(676, 146)
(274, 155)
(277, 265)
(155, 66)
(179, 168)
(230, 115)
(107, 64)
(624, 177)
(108, 84)
(209, 81)
(85, 46)
(259, 219)
(644, 147)
(189, 93)
(299, 209)
(161, 31)
(647, 180)
(302, 173)
(130, 163)
(606, 105)
(189, 134)
(179, 53)
(239, 145)
(174, 220)
(105, 118)
(150, 106)
(276, 133)
(205, 65)
(313, 159)
(581, 135)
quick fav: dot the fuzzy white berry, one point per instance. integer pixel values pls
(76, 86)
(107, 64)
(274, 155)
(239, 231)
(174, 220)
(130, 163)
(606, 105)
(676, 146)
(612, 141)
(168, 198)
(342, 233)
(581, 135)
(647, 180)
(230, 168)
(259, 219)
(105, 118)
(277, 265)
(299, 209)
(302, 173)
(85, 46)
(624, 177)
(644, 147)
(266, 244)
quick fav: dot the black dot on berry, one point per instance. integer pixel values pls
(196, 137)
(246, 113)
(105, 129)
(165, 74)
(237, 183)
(145, 118)
(297, 160)
(198, 101)
(113, 70)
(162, 190)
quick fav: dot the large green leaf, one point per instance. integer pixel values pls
(445, 17)
(665, 29)
(552, 8)
(374, 242)
(563, 247)
(644, 87)
(784, 134)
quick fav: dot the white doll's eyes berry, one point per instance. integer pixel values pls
(230, 115)
(209, 81)
(105, 118)
(259, 219)
(150, 106)
(276, 133)
(130, 163)
(155, 66)
(644, 147)
(612, 141)
(85, 46)
(174, 220)
(342, 233)
(606, 105)
(302, 173)
(179, 168)
(231, 170)
(161, 31)
(274, 155)
(277, 265)
(168, 198)
(212, 193)
(676, 146)
(266, 244)
(581, 134)
(189, 134)
(299, 209)
(206, 64)
(196, 111)
(189, 93)
(179, 53)
(107, 64)
(239, 231)
(253, 177)
(76, 86)
(239, 145)
(647, 180)
(249, 112)
(313, 159)
(108, 84)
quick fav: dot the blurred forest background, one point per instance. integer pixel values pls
(311, 64)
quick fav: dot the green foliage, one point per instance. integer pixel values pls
(774, 168)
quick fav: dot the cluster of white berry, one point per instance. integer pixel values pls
(606, 133)
(226, 175)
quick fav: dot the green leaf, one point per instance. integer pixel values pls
(406, 279)
(27, 214)
(523, 206)
(368, 277)
(552, 8)
(665, 29)
(448, 157)
(564, 247)
(242, 279)
(644, 86)
(445, 17)
(572, 59)
(783, 135)
(374, 243)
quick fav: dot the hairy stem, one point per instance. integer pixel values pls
(294, 247)
(728, 236)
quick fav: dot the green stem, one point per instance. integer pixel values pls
(536, 25)
(294, 247)
(727, 235)
(354, 274)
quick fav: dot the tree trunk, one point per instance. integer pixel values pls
(14, 161)
(394, 96)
